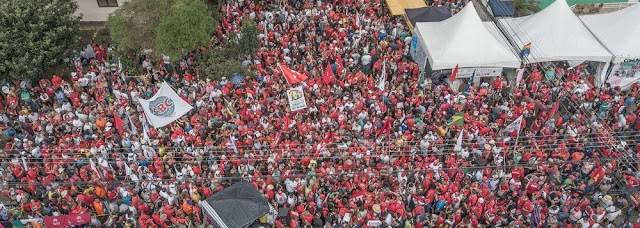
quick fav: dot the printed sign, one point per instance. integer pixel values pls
(418, 53)
(480, 72)
(625, 73)
(296, 99)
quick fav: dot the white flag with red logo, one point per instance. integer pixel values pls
(164, 107)
(514, 126)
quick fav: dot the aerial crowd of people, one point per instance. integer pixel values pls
(358, 156)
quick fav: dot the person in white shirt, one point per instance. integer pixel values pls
(612, 213)
(215, 94)
(281, 198)
(366, 62)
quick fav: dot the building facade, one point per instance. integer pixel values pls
(97, 10)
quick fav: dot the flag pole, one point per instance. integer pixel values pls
(515, 147)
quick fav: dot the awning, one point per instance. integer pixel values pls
(238, 205)
(426, 14)
(463, 40)
(555, 34)
(397, 7)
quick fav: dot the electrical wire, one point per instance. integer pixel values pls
(522, 165)
(262, 157)
(449, 141)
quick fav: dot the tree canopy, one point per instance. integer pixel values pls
(134, 24)
(166, 26)
(174, 27)
(249, 42)
(526, 7)
(35, 36)
(187, 26)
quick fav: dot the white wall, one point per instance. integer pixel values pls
(91, 12)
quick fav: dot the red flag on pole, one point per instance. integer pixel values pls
(118, 123)
(243, 113)
(386, 127)
(276, 140)
(287, 122)
(454, 73)
(292, 76)
(327, 77)
(340, 64)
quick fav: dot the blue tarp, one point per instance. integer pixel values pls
(502, 8)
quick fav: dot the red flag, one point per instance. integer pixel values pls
(454, 73)
(79, 219)
(287, 122)
(340, 64)
(276, 140)
(243, 113)
(118, 123)
(357, 195)
(327, 77)
(386, 127)
(56, 221)
(292, 76)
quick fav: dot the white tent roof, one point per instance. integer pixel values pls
(619, 31)
(556, 34)
(463, 40)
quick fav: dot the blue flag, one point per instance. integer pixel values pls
(466, 89)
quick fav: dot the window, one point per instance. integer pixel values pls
(107, 3)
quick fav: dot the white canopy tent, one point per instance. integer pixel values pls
(463, 40)
(556, 34)
(619, 31)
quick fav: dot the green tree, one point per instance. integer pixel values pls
(187, 27)
(35, 35)
(215, 64)
(248, 42)
(134, 25)
(526, 7)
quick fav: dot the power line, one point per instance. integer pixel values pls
(448, 141)
(523, 165)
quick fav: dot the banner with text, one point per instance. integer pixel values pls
(296, 99)
(625, 73)
(480, 72)
(418, 54)
(164, 107)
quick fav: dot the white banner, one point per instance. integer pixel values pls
(480, 72)
(458, 146)
(130, 172)
(296, 99)
(164, 107)
(625, 73)
(383, 77)
(520, 75)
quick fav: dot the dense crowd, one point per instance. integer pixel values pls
(358, 156)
